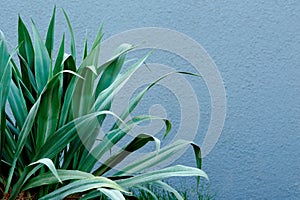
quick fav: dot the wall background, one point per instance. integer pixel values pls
(256, 46)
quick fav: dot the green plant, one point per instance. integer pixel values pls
(152, 192)
(47, 142)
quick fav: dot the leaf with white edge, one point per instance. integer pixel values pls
(98, 37)
(91, 195)
(64, 175)
(50, 165)
(154, 158)
(112, 138)
(137, 143)
(112, 194)
(104, 99)
(73, 46)
(18, 105)
(62, 137)
(42, 61)
(82, 101)
(174, 171)
(48, 114)
(26, 51)
(114, 58)
(5, 80)
(26, 128)
(60, 56)
(82, 186)
(112, 71)
(50, 34)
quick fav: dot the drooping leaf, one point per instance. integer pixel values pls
(82, 186)
(64, 175)
(137, 143)
(112, 138)
(177, 170)
(47, 162)
(155, 158)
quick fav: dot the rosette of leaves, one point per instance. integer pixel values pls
(51, 112)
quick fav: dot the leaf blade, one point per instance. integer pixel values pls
(50, 34)
(47, 162)
(42, 61)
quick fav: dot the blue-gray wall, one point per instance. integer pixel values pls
(256, 46)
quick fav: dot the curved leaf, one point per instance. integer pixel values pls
(168, 188)
(154, 158)
(111, 139)
(62, 137)
(50, 165)
(177, 170)
(64, 175)
(137, 143)
(112, 194)
(82, 186)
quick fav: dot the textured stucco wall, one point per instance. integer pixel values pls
(256, 46)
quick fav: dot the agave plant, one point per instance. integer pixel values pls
(51, 113)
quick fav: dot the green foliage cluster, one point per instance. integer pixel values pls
(51, 113)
